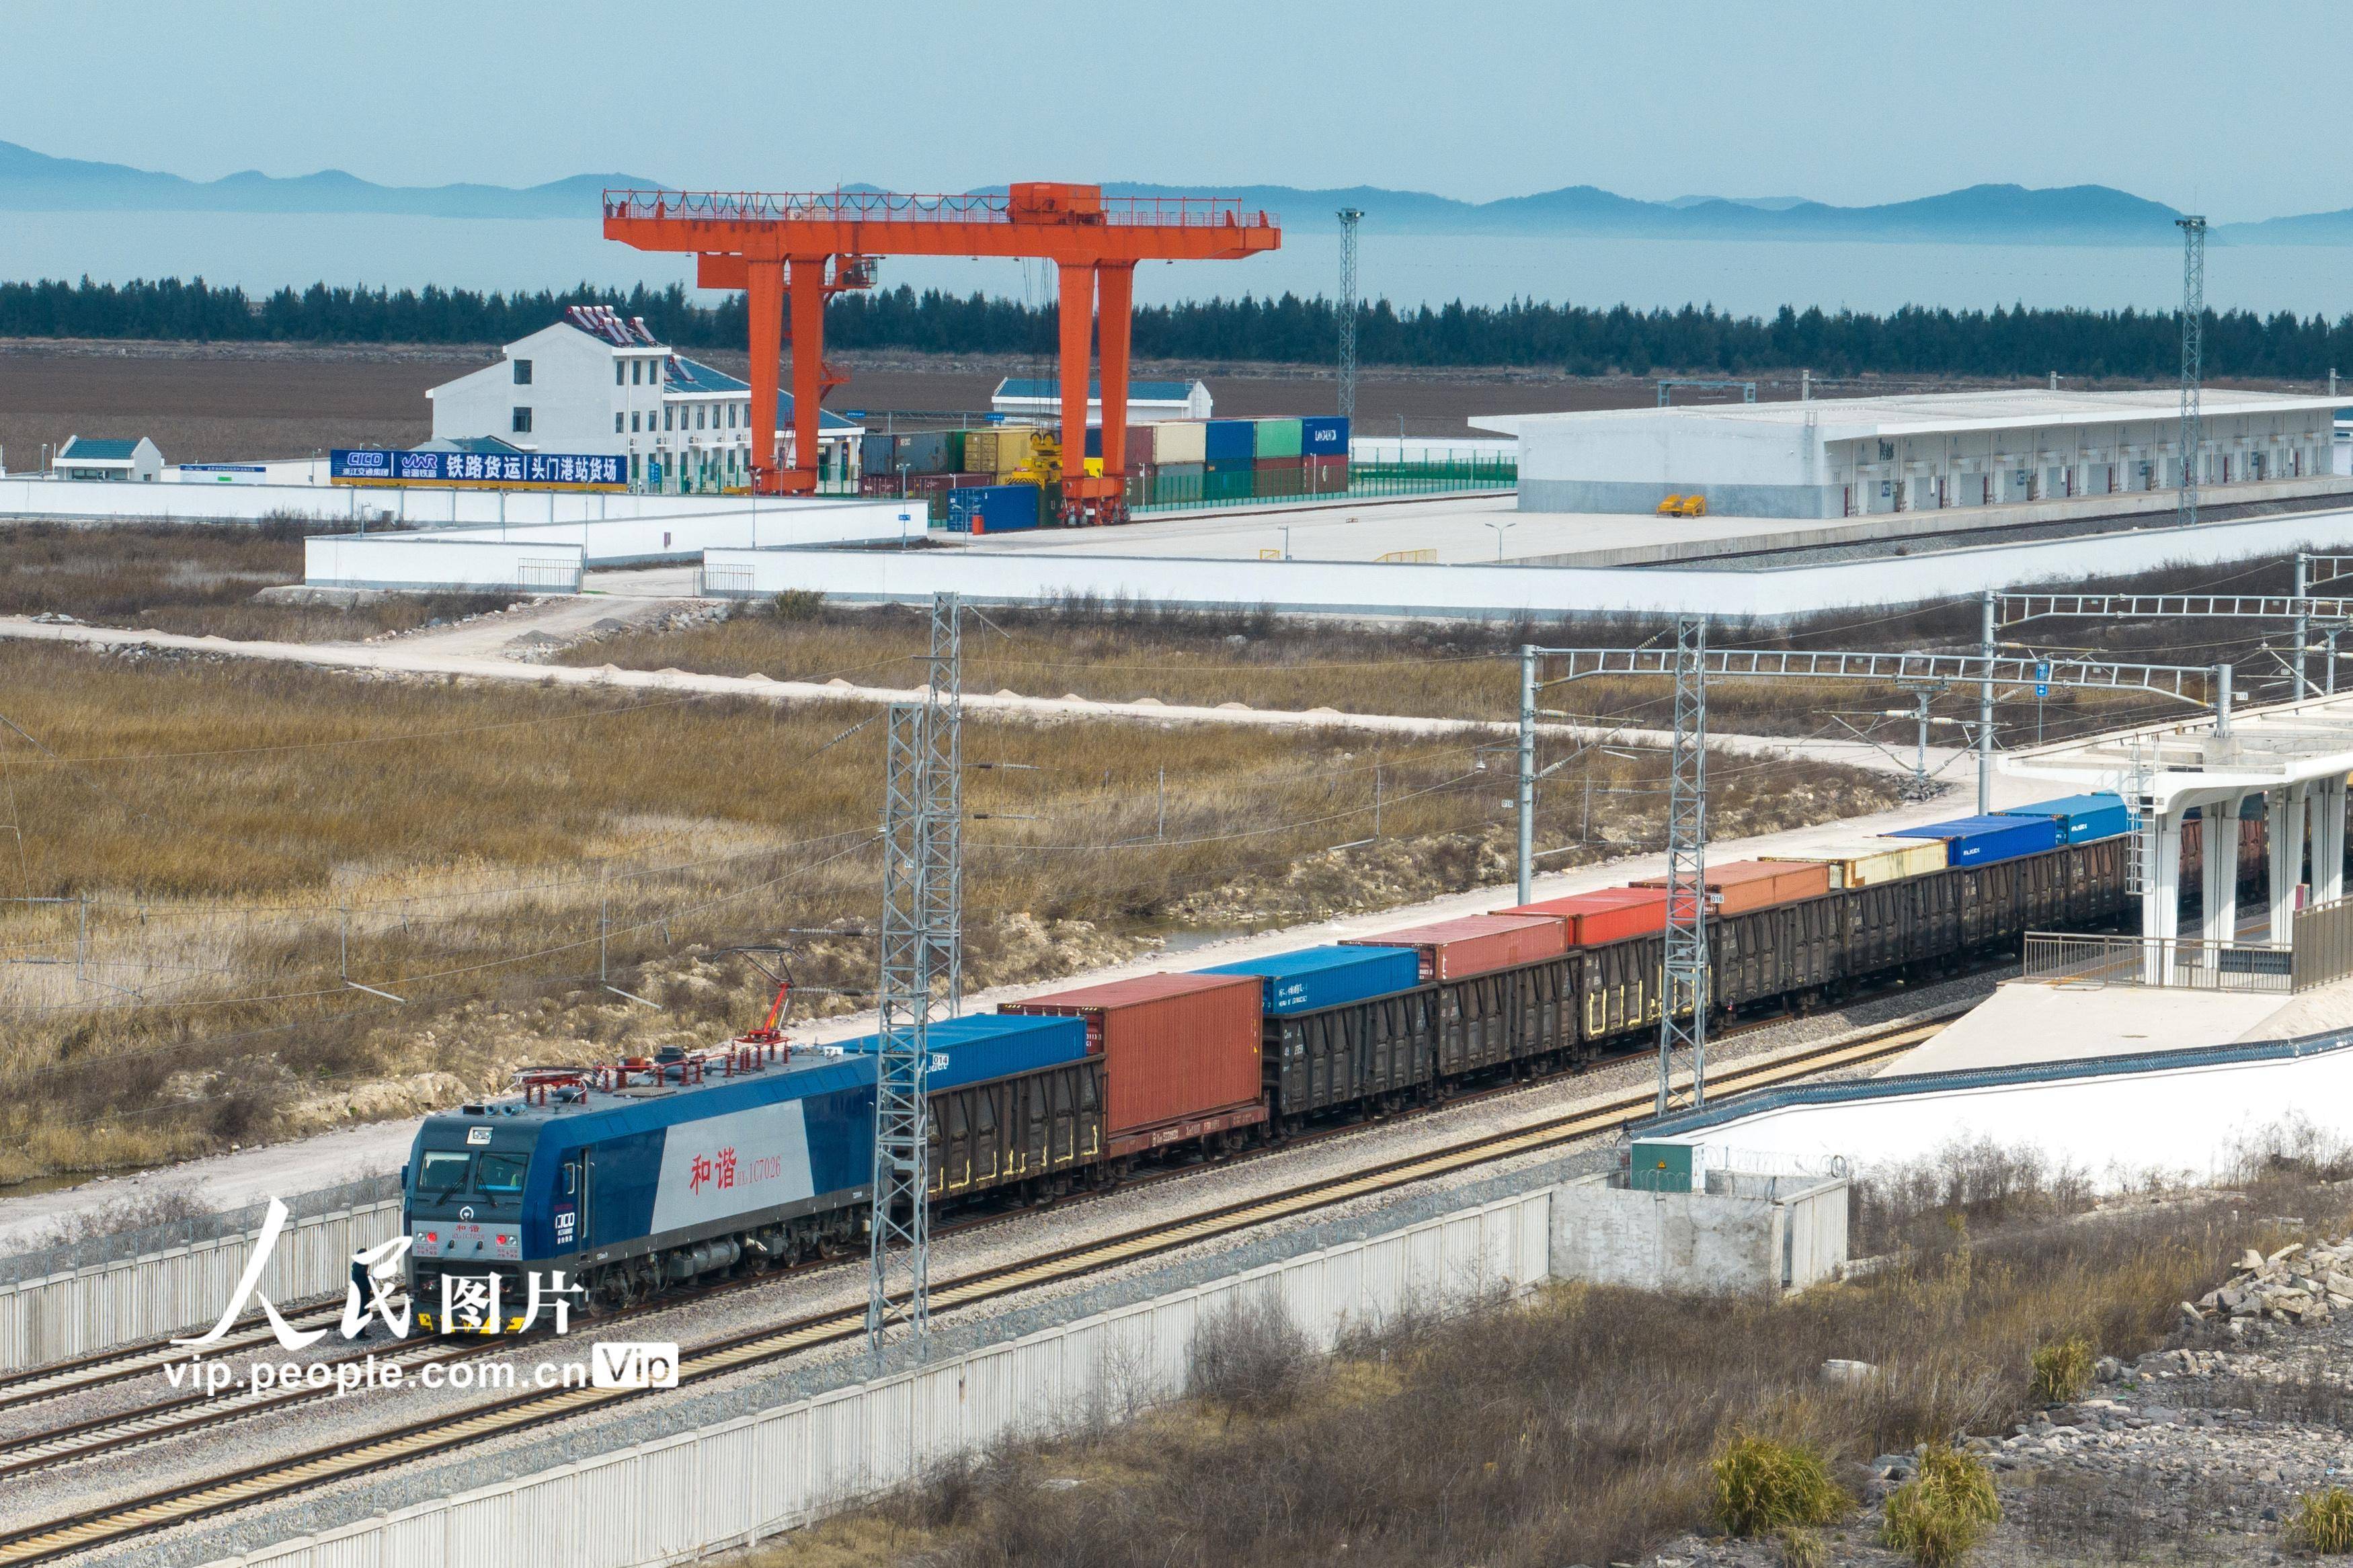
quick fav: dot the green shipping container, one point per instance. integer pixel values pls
(955, 452)
(1230, 485)
(1278, 439)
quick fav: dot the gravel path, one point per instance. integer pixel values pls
(842, 1286)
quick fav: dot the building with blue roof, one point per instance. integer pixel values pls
(598, 382)
(108, 457)
(1040, 398)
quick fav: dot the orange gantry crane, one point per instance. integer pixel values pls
(793, 250)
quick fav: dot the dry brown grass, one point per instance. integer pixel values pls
(1123, 652)
(1577, 1427)
(192, 578)
(249, 836)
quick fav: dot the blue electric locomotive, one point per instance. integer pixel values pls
(645, 1174)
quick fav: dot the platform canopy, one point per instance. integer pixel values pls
(2293, 756)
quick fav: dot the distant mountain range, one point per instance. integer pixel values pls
(2073, 215)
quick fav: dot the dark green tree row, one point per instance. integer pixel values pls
(1573, 339)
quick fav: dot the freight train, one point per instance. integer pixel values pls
(648, 1175)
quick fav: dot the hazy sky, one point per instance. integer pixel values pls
(1848, 102)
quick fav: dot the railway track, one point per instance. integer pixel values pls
(176, 1414)
(184, 1502)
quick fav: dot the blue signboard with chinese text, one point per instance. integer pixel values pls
(481, 470)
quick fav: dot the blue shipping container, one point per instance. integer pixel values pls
(1230, 439)
(985, 1045)
(998, 509)
(2081, 818)
(1316, 977)
(1325, 437)
(1982, 841)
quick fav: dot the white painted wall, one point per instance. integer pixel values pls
(86, 1311)
(680, 1498)
(2120, 1127)
(101, 502)
(685, 535)
(1361, 588)
(395, 560)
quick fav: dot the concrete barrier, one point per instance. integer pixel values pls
(98, 1306)
(458, 565)
(684, 536)
(1743, 1236)
(1500, 592)
(730, 1485)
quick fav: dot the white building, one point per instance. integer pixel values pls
(89, 457)
(1844, 457)
(1038, 399)
(594, 383)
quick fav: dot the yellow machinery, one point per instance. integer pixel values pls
(1683, 506)
(1042, 466)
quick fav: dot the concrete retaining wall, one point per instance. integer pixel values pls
(457, 565)
(730, 1485)
(1785, 1234)
(772, 525)
(1499, 592)
(97, 1308)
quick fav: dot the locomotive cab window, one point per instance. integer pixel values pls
(500, 1173)
(444, 1170)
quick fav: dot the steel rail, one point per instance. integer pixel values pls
(441, 1434)
(2082, 674)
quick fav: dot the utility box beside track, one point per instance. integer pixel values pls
(1735, 1234)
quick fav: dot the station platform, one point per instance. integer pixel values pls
(2029, 1022)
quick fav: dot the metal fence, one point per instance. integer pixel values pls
(2183, 963)
(1367, 481)
(2324, 943)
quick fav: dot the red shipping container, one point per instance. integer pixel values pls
(1606, 914)
(1456, 949)
(1738, 886)
(1325, 476)
(1181, 1053)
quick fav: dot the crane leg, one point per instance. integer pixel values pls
(764, 300)
(1078, 322)
(1116, 283)
(808, 371)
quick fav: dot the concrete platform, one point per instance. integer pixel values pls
(2033, 1021)
(2026, 1022)
(1463, 529)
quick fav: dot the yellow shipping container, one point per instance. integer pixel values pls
(1013, 447)
(1865, 862)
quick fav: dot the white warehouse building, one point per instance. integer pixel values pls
(1849, 457)
(597, 382)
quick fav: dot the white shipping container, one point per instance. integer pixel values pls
(1180, 441)
(1866, 862)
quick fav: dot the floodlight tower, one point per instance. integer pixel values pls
(2193, 355)
(1348, 220)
